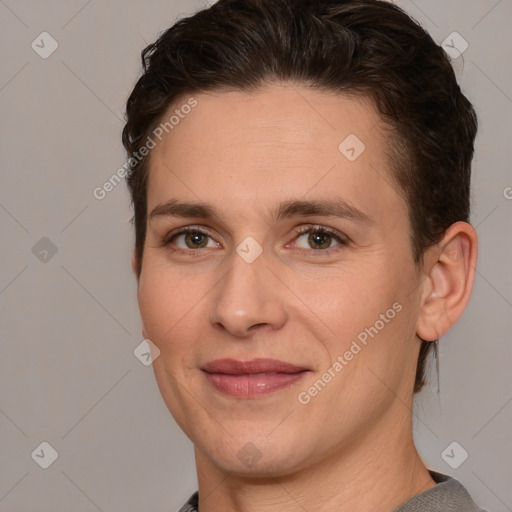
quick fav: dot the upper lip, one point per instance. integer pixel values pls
(236, 367)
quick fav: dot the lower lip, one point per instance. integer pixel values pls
(250, 386)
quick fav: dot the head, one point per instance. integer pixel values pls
(246, 111)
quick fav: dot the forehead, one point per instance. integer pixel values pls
(287, 113)
(281, 140)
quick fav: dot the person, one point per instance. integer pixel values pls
(300, 177)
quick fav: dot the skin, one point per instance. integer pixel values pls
(351, 446)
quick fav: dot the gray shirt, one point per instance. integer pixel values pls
(449, 495)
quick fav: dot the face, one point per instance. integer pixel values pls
(278, 280)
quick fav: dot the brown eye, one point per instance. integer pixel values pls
(196, 240)
(191, 239)
(319, 240)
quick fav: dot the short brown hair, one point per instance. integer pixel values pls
(363, 47)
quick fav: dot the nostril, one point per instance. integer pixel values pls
(256, 325)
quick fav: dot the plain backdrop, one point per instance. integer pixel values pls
(68, 312)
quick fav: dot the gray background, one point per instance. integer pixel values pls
(69, 323)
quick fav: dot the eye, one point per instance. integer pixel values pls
(191, 238)
(318, 239)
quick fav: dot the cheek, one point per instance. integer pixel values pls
(166, 303)
(349, 300)
(366, 316)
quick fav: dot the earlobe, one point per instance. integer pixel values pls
(449, 281)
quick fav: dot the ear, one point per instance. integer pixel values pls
(449, 281)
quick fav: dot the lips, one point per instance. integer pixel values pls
(253, 378)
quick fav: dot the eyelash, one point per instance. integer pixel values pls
(310, 229)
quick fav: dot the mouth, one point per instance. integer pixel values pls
(253, 378)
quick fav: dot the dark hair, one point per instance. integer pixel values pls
(364, 47)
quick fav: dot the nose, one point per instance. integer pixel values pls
(248, 298)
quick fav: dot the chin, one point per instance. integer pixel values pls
(255, 467)
(255, 456)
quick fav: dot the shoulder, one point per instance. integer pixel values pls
(448, 495)
(191, 505)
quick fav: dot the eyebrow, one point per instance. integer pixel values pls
(328, 208)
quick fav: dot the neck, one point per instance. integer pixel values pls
(379, 471)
